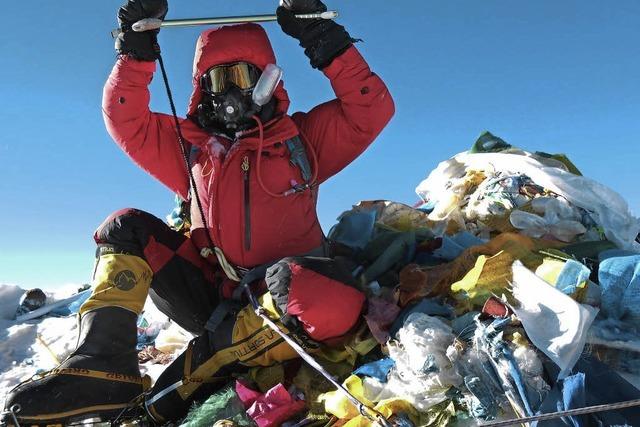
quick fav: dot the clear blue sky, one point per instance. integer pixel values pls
(556, 76)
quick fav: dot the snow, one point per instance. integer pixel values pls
(40, 344)
(35, 345)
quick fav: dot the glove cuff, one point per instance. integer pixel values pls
(141, 46)
(324, 41)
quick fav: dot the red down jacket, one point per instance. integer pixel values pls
(250, 226)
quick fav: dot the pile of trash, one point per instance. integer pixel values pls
(512, 289)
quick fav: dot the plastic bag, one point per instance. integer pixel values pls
(422, 373)
(555, 324)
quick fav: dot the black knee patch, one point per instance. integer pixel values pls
(129, 230)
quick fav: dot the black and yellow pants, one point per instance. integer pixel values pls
(138, 255)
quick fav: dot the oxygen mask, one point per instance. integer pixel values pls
(233, 93)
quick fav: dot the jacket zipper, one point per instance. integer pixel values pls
(247, 203)
(216, 205)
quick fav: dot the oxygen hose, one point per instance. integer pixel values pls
(310, 184)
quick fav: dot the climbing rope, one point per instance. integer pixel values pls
(553, 415)
(183, 148)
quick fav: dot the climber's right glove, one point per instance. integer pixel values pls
(139, 45)
(322, 39)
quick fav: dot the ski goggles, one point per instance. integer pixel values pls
(218, 79)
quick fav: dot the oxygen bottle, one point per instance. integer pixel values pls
(266, 85)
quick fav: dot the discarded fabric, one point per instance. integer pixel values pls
(422, 373)
(270, 408)
(380, 315)
(223, 405)
(555, 323)
(378, 369)
(619, 278)
(608, 209)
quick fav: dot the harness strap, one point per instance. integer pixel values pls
(234, 305)
(221, 312)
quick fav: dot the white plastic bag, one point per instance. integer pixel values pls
(559, 220)
(554, 322)
(422, 373)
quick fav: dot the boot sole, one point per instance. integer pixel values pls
(93, 416)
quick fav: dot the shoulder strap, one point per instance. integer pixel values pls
(299, 158)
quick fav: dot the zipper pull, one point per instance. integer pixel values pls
(245, 164)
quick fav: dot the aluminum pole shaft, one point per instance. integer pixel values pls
(152, 24)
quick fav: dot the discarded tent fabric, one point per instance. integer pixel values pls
(380, 316)
(437, 280)
(378, 369)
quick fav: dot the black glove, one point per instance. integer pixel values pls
(143, 45)
(322, 39)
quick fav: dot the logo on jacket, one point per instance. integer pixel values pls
(125, 280)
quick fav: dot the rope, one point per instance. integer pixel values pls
(560, 414)
(46, 347)
(11, 412)
(183, 148)
(368, 412)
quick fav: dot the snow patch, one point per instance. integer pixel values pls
(41, 344)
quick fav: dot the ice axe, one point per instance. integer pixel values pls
(154, 24)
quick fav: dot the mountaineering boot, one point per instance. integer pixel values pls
(101, 377)
(98, 379)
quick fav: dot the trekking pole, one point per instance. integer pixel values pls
(154, 24)
(365, 410)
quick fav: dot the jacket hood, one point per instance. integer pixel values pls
(234, 43)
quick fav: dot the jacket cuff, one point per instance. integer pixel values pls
(347, 72)
(135, 64)
(350, 56)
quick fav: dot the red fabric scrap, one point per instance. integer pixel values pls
(495, 308)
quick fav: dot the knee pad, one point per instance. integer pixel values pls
(131, 230)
